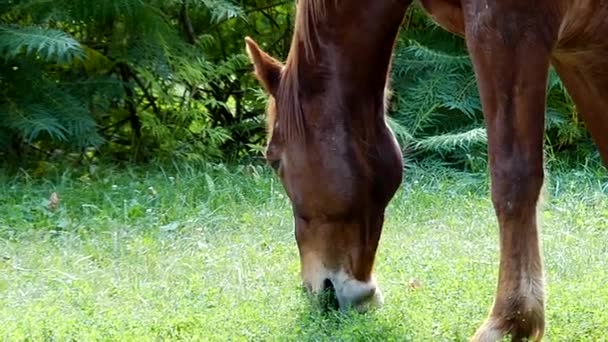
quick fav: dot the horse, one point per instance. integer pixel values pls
(340, 164)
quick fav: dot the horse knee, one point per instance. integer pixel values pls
(516, 188)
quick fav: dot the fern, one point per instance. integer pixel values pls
(437, 111)
(415, 56)
(222, 10)
(33, 120)
(449, 141)
(51, 45)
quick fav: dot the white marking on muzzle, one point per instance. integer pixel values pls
(350, 292)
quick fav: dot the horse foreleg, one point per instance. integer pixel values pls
(511, 61)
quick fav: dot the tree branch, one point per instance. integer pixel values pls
(187, 23)
(132, 74)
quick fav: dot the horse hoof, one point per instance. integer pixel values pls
(528, 327)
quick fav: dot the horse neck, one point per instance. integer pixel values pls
(351, 57)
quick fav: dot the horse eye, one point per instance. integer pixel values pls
(275, 164)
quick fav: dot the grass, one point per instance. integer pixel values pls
(209, 254)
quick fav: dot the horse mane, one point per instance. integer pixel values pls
(309, 14)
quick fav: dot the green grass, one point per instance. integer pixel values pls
(209, 254)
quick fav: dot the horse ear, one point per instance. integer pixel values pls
(267, 69)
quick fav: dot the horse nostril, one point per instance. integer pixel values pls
(328, 285)
(329, 299)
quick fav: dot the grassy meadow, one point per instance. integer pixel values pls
(186, 253)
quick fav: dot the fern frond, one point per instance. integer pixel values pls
(441, 59)
(33, 120)
(51, 45)
(222, 9)
(451, 141)
(415, 57)
(401, 131)
(462, 94)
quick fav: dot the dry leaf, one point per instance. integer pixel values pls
(415, 283)
(53, 201)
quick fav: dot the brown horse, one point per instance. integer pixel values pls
(340, 164)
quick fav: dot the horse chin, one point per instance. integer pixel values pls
(376, 301)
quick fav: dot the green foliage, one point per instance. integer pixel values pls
(134, 79)
(50, 45)
(39, 103)
(436, 111)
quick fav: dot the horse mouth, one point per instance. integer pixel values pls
(328, 298)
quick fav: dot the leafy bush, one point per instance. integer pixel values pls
(133, 79)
